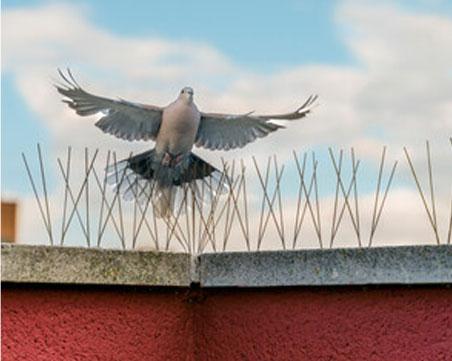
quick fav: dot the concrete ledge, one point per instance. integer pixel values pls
(45, 264)
(353, 266)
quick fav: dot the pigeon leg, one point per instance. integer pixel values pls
(166, 160)
(177, 159)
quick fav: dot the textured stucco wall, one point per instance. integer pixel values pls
(329, 323)
(391, 323)
(57, 323)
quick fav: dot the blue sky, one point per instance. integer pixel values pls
(266, 36)
(254, 33)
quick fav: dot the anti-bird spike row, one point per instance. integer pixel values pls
(245, 209)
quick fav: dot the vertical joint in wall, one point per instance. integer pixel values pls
(194, 271)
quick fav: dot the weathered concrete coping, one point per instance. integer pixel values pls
(351, 266)
(50, 264)
(388, 265)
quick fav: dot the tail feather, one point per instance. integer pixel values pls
(163, 201)
(143, 178)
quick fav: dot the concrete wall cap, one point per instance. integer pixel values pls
(350, 266)
(52, 264)
(347, 266)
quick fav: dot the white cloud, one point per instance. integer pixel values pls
(397, 94)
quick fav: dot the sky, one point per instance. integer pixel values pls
(382, 70)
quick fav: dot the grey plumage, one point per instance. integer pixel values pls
(175, 129)
(123, 119)
(227, 131)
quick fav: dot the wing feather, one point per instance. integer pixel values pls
(225, 131)
(121, 118)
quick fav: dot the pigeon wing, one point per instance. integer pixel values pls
(227, 131)
(123, 119)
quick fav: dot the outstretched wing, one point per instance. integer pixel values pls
(226, 131)
(123, 119)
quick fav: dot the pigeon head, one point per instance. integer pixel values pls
(186, 93)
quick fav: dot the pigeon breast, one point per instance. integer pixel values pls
(180, 122)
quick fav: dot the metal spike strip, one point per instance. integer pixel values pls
(38, 200)
(44, 189)
(269, 203)
(210, 216)
(278, 177)
(346, 195)
(299, 220)
(431, 219)
(380, 207)
(307, 197)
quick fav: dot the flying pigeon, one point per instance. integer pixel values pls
(175, 129)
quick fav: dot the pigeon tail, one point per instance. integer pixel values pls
(152, 176)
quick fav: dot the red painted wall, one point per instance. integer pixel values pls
(391, 323)
(86, 324)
